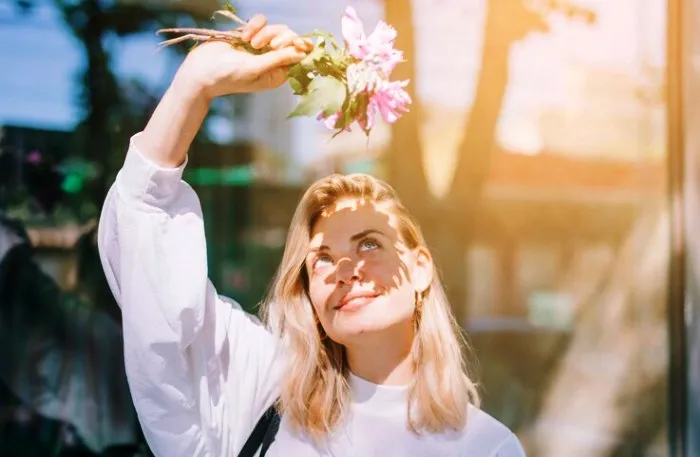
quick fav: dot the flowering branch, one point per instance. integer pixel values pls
(337, 85)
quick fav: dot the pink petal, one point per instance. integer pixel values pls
(330, 121)
(388, 114)
(382, 38)
(391, 99)
(368, 123)
(391, 60)
(353, 33)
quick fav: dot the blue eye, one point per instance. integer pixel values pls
(323, 259)
(369, 244)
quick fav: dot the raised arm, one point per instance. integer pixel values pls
(200, 370)
(213, 70)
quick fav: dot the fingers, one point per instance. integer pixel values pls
(270, 32)
(254, 25)
(259, 34)
(277, 58)
(288, 37)
(303, 44)
(284, 39)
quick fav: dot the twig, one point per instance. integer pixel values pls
(230, 15)
(198, 31)
(201, 34)
(180, 39)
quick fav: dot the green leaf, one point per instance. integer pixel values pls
(317, 53)
(296, 85)
(326, 67)
(345, 119)
(361, 109)
(320, 61)
(326, 94)
(339, 58)
(354, 109)
(229, 7)
(298, 76)
(327, 37)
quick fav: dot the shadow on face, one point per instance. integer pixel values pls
(363, 277)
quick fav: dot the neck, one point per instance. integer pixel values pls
(383, 358)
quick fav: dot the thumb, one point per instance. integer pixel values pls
(277, 58)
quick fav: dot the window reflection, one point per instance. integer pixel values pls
(535, 157)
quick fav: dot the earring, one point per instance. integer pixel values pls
(418, 312)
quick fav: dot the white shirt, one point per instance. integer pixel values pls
(201, 371)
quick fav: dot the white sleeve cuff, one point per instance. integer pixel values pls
(142, 180)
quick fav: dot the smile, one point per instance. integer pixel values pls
(355, 301)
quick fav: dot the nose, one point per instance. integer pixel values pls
(348, 270)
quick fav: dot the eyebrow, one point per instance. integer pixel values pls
(355, 237)
(364, 233)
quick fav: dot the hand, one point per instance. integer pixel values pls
(216, 68)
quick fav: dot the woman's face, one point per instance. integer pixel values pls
(362, 277)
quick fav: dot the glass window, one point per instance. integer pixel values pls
(535, 157)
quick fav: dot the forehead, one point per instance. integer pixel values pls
(349, 217)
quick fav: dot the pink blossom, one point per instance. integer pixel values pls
(368, 75)
(354, 33)
(377, 48)
(34, 157)
(390, 100)
(329, 121)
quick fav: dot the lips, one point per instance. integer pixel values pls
(355, 300)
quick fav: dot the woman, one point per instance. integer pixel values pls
(360, 348)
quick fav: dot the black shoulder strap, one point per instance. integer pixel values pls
(271, 432)
(263, 434)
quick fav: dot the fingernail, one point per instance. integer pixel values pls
(302, 46)
(275, 43)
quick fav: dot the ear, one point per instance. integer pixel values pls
(422, 275)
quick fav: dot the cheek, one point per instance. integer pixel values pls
(386, 271)
(403, 296)
(393, 275)
(319, 292)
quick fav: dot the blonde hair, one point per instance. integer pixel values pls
(315, 390)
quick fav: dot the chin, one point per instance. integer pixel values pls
(350, 330)
(369, 320)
